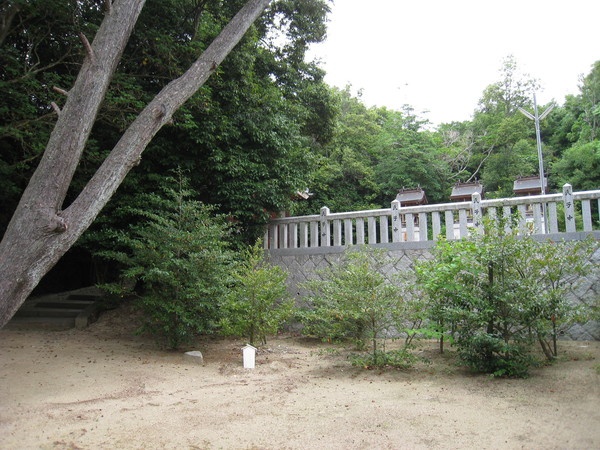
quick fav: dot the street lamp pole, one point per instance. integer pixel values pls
(536, 118)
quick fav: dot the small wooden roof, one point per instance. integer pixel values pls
(462, 192)
(411, 197)
(302, 195)
(529, 185)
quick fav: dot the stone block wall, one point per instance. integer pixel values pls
(305, 264)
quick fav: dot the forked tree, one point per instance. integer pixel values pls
(42, 229)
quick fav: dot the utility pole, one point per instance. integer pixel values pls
(536, 117)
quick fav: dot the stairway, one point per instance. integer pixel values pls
(75, 309)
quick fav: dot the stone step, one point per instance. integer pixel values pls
(86, 297)
(59, 311)
(65, 304)
(48, 312)
(46, 323)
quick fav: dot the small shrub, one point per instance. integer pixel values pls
(398, 359)
(258, 303)
(353, 301)
(555, 265)
(497, 293)
(487, 353)
(176, 264)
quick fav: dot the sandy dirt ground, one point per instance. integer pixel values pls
(104, 388)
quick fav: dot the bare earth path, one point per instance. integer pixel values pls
(103, 388)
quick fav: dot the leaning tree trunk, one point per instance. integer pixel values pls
(40, 231)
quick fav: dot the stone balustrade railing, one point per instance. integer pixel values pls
(539, 214)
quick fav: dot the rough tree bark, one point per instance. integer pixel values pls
(40, 231)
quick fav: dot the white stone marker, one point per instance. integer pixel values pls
(249, 355)
(195, 357)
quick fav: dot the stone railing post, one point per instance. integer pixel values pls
(569, 208)
(396, 222)
(273, 236)
(477, 212)
(325, 229)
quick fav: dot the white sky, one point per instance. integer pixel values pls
(440, 55)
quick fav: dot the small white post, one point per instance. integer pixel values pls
(294, 235)
(587, 215)
(372, 230)
(410, 227)
(360, 231)
(423, 231)
(283, 235)
(337, 232)
(383, 229)
(249, 356)
(325, 231)
(552, 218)
(436, 223)
(463, 228)
(303, 234)
(449, 218)
(273, 237)
(506, 215)
(348, 232)
(314, 234)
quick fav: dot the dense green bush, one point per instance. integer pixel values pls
(560, 267)
(258, 303)
(488, 353)
(176, 262)
(498, 293)
(354, 301)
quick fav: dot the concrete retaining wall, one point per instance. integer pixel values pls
(305, 264)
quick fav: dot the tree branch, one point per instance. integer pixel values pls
(55, 108)
(474, 175)
(88, 48)
(127, 153)
(33, 71)
(60, 91)
(39, 209)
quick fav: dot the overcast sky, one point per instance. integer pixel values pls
(439, 55)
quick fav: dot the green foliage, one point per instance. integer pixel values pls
(498, 145)
(39, 49)
(579, 166)
(353, 301)
(489, 353)
(513, 90)
(590, 96)
(343, 177)
(498, 293)
(177, 256)
(265, 125)
(410, 156)
(556, 265)
(507, 164)
(415, 315)
(257, 304)
(398, 359)
(247, 136)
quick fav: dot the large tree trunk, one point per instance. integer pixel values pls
(40, 231)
